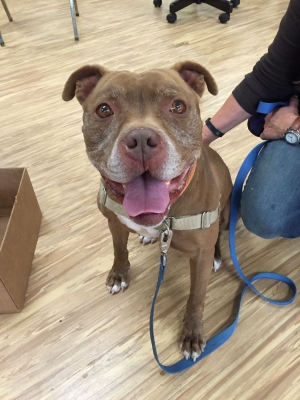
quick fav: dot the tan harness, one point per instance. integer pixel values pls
(198, 221)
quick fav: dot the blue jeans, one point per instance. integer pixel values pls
(270, 204)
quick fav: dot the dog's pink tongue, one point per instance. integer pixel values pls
(145, 194)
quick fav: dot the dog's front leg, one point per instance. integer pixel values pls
(118, 277)
(192, 340)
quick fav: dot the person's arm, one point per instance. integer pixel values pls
(229, 115)
(271, 78)
(273, 75)
(232, 114)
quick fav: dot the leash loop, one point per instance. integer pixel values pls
(234, 214)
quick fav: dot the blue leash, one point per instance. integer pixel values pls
(217, 341)
(266, 108)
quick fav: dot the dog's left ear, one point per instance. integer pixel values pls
(195, 75)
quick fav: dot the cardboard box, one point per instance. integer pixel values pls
(20, 220)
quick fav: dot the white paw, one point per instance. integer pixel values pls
(113, 289)
(116, 288)
(194, 355)
(146, 240)
(216, 265)
(124, 285)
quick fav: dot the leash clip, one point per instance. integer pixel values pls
(165, 240)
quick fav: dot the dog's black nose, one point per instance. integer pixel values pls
(142, 144)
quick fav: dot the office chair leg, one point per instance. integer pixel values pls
(6, 10)
(171, 18)
(73, 15)
(1, 40)
(223, 18)
(224, 5)
(157, 3)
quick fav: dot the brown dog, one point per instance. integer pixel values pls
(143, 133)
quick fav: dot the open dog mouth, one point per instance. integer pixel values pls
(146, 199)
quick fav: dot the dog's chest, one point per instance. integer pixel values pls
(150, 232)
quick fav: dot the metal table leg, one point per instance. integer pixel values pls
(6, 10)
(73, 15)
(9, 18)
(76, 8)
(1, 40)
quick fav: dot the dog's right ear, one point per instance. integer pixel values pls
(196, 76)
(82, 82)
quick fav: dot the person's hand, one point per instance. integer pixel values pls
(279, 120)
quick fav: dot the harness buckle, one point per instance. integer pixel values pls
(169, 222)
(103, 195)
(206, 220)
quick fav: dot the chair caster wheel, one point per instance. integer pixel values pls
(223, 18)
(171, 18)
(235, 3)
(157, 3)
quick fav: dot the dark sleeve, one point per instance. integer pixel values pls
(273, 75)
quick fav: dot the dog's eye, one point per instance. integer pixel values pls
(178, 107)
(104, 111)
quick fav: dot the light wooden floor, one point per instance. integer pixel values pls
(73, 340)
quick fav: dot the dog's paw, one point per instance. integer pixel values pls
(146, 240)
(116, 282)
(192, 341)
(216, 265)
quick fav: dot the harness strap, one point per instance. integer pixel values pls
(217, 341)
(199, 221)
(109, 203)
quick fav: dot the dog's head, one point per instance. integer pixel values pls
(142, 131)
